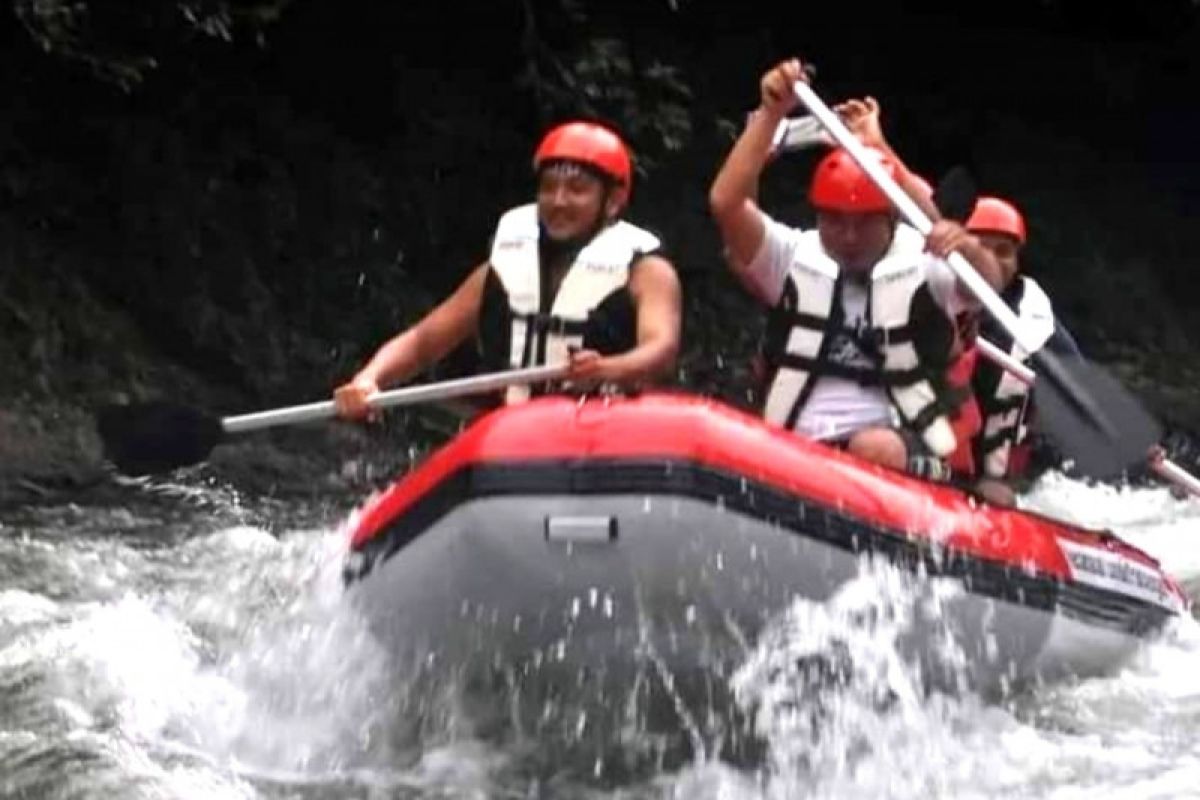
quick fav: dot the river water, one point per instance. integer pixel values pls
(182, 642)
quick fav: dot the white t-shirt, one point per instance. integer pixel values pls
(836, 407)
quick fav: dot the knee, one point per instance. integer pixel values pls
(881, 446)
(996, 492)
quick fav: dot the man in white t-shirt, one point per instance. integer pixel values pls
(861, 330)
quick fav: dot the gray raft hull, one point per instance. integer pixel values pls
(608, 583)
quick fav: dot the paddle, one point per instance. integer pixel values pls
(1051, 421)
(956, 194)
(1110, 450)
(955, 199)
(157, 436)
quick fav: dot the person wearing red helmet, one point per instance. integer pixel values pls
(566, 281)
(1002, 450)
(1001, 229)
(994, 449)
(861, 328)
(966, 420)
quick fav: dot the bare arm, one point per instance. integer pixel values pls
(407, 353)
(948, 235)
(862, 117)
(732, 195)
(983, 261)
(657, 297)
(907, 181)
(659, 302)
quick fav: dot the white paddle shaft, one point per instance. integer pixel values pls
(1007, 362)
(443, 390)
(1169, 470)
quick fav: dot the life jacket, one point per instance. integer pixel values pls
(522, 326)
(1002, 448)
(967, 419)
(907, 333)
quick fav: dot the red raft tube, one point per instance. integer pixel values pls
(595, 535)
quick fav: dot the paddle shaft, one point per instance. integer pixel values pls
(1007, 362)
(1165, 468)
(912, 213)
(1169, 470)
(442, 390)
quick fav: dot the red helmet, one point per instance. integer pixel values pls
(840, 184)
(994, 215)
(587, 143)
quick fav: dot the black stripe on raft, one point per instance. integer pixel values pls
(771, 505)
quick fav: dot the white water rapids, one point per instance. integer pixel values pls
(177, 648)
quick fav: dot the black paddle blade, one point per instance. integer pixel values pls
(145, 438)
(955, 194)
(1093, 420)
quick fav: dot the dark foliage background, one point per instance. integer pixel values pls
(237, 201)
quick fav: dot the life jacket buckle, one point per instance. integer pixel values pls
(549, 324)
(871, 340)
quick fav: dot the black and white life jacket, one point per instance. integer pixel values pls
(1004, 400)
(908, 336)
(592, 296)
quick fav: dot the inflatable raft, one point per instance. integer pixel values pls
(598, 536)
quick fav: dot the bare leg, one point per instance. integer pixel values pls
(998, 493)
(880, 445)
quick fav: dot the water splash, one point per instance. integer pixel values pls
(150, 655)
(834, 693)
